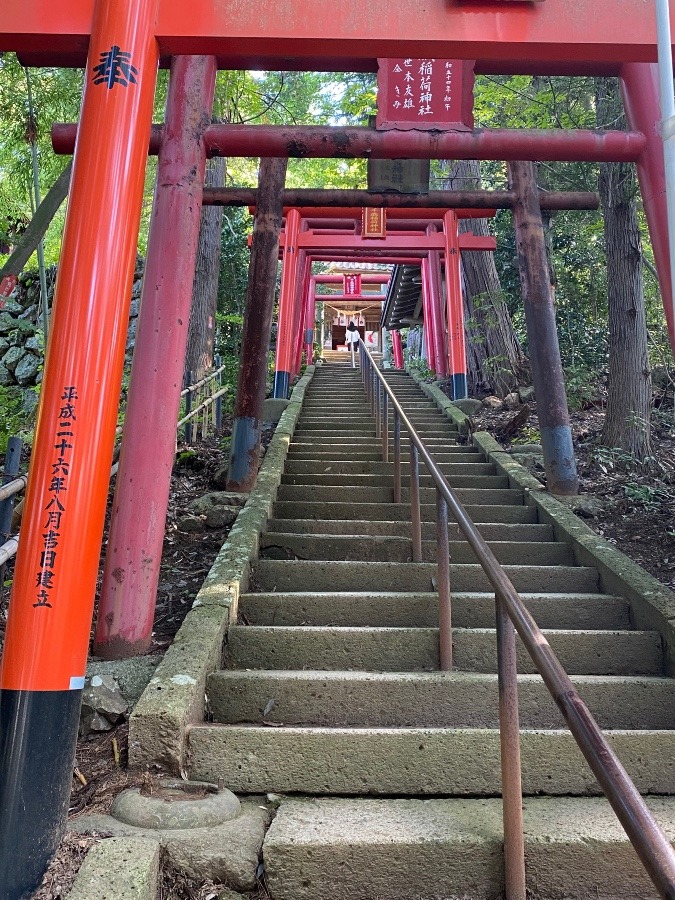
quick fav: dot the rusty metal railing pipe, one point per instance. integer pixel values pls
(397, 457)
(509, 743)
(650, 843)
(384, 427)
(444, 596)
(415, 509)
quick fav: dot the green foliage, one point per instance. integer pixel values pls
(419, 365)
(12, 416)
(56, 98)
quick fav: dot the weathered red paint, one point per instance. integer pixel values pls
(366, 278)
(428, 316)
(289, 270)
(322, 142)
(454, 303)
(131, 574)
(601, 31)
(436, 308)
(316, 197)
(640, 90)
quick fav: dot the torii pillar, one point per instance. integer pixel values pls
(542, 335)
(287, 296)
(640, 91)
(455, 307)
(45, 653)
(136, 538)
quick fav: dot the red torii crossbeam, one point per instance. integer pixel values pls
(599, 32)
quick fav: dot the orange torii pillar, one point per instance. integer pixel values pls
(428, 316)
(433, 280)
(45, 654)
(301, 301)
(127, 605)
(310, 318)
(287, 295)
(455, 307)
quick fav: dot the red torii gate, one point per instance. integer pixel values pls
(123, 41)
(413, 235)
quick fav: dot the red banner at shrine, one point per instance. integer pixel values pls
(374, 222)
(352, 284)
(426, 94)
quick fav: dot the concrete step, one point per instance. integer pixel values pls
(419, 610)
(303, 575)
(385, 548)
(395, 512)
(320, 442)
(359, 480)
(305, 452)
(350, 467)
(491, 531)
(367, 849)
(318, 432)
(428, 699)
(251, 759)
(416, 649)
(471, 495)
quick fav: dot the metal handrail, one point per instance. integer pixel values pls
(646, 836)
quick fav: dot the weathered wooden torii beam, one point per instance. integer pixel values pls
(326, 142)
(310, 197)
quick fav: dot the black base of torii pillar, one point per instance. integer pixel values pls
(542, 336)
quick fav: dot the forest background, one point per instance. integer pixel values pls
(611, 327)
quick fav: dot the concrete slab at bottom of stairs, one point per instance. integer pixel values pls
(451, 849)
(226, 853)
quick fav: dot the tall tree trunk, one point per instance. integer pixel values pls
(201, 333)
(630, 388)
(44, 214)
(495, 360)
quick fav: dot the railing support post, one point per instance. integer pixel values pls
(12, 461)
(509, 739)
(378, 408)
(415, 510)
(444, 598)
(384, 427)
(397, 457)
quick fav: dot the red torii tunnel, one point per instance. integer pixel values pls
(122, 42)
(430, 235)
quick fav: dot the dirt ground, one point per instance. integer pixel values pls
(636, 501)
(637, 514)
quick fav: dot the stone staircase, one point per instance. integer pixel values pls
(331, 689)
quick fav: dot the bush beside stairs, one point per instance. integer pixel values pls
(331, 694)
